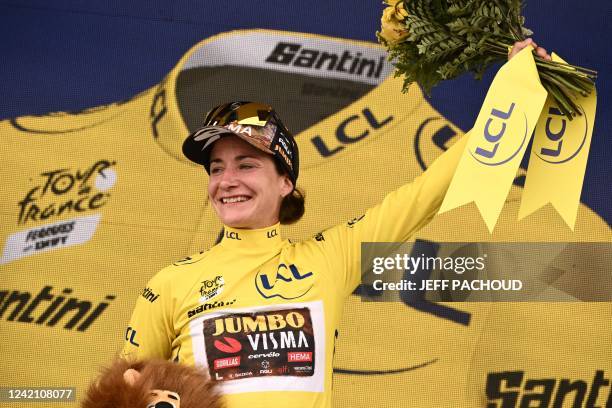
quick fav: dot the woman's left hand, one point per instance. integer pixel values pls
(519, 45)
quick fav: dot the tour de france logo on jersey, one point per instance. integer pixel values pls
(211, 288)
(285, 281)
(53, 194)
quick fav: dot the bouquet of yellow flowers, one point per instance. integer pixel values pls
(433, 40)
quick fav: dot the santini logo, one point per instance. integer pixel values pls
(350, 63)
(510, 389)
(208, 306)
(28, 309)
(148, 294)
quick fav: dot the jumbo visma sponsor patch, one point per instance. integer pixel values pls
(280, 347)
(273, 343)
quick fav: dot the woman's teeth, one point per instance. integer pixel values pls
(233, 199)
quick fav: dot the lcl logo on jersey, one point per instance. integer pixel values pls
(232, 235)
(130, 336)
(287, 282)
(366, 121)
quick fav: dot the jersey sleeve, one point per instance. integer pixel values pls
(151, 330)
(398, 217)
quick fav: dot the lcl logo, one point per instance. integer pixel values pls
(366, 121)
(232, 235)
(487, 152)
(287, 282)
(130, 335)
(555, 137)
(494, 138)
(554, 150)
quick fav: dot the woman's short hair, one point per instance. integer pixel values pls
(292, 206)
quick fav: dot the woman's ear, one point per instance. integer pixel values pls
(287, 186)
(131, 376)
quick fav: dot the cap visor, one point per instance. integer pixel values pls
(198, 150)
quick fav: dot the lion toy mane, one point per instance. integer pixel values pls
(151, 384)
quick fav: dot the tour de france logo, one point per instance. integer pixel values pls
(505, 133)
(67, 191)
(76, 192)
(211, 288)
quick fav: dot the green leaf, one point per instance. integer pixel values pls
(447, 38)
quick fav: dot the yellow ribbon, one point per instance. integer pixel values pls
(558, 159)
(498, 140)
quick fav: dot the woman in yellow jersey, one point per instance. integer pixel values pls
(258, 312)
(276, 199)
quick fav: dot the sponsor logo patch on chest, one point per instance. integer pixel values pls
(268, 343)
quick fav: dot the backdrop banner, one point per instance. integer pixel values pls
(97, 201)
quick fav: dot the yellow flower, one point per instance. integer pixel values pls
(392, 30)
(399, 9)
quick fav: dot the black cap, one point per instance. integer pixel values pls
(255, 123)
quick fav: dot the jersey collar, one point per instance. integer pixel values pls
(242, 48)
(267, 238)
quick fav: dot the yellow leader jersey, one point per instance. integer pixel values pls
(96, 202)
(262, 313)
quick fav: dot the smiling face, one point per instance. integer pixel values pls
(245, 188)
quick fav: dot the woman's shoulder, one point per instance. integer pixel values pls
(318, 242)
(192, 259)
(183, 268)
